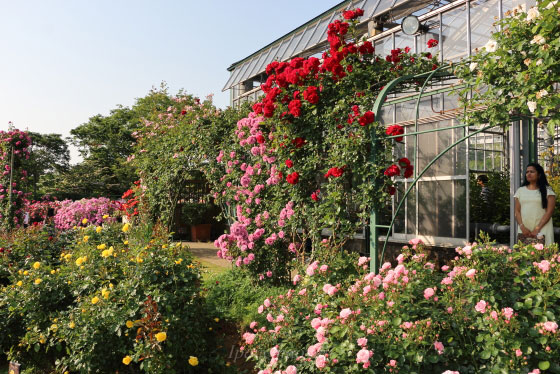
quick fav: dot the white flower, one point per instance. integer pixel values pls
(532, 14)
(532, 106)
(491, 45)
(539, 62)
(538, 39)
(542, 93)
(473, 66)
(551, 4)
(527, 61)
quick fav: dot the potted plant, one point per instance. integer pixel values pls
(199, 217)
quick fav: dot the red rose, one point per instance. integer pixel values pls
(408, 171)
(315, 196)
(392, 170)
(260, 139)
(334, 172)
(348, 14)
(366, 48)
(432, 43)
(293, 178)
(183, 112)
(311, 94)
(367, 118)
(406, 49)
(434, 66)
(395, 130)
(268, 109)
(298, 142)
(289, 163)
(391, 190)
(404, 162)
(295, 108)
(429, 56)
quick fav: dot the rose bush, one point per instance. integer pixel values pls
(517, 71)
(85, 211)
(492, 309)
(114, 298)
(311, 155)
(14, 147)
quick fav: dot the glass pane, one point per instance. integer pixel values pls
(387, 114)
(321, 32)
(383, 46)
(483, 15)
(411, 211)
(282, 49)
(451, 101)
(307, 35)
(232, 78)
(441, 208)
(430, 145)
(250, 65)
(402, 41)
(290, 50)
(370, 7)
(406, 111)
(257, 67)
(510, 4)
(454, 34)
(432, 33)
(400, 216)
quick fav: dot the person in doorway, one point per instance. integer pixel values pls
(534, 205)
(482, 181)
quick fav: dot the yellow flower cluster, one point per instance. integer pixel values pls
(193, 361)
(95, 300)
(126, 227)
(36, 265)
(101, 246)
(85, 221)
(86, 238)
(98, 229)
(105, 293)
(105, 216)
(161, 336)
(108, 252)
(127, 360)
(81, 260)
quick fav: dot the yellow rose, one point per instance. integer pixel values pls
(95, 300)
(71, 325)
(164, 246)
(161, 336)
(98, 229)
(68, 256)
(42, 340)
(217, 319)
(38, 281)
(129, 324)
(54, 327)
(86, 238)
(125, 242)
(178, 262)
(127, 360)
(105, 216)
(36, 265)
(19, 283)
(20, 272)
(105, 293)
(193, 361)
(101, 246)
(84, 221)
(126, 227)
(53, 271)
(26, 273)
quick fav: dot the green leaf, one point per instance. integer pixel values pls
(397, 321)
(485, 355)
(544, 365)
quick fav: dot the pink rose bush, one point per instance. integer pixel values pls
(408, 319)
(95, 210)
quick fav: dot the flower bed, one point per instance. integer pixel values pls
(113, 298)
(94, 211)
(492, 310)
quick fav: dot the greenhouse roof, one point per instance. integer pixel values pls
(311, 37)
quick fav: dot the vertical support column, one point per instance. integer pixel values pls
(468, 4)
(514, 181)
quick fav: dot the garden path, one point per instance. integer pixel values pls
(205, 253)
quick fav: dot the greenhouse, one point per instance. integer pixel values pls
(440, 206)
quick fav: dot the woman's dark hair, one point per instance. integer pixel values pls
(542, 183)
(483, 178)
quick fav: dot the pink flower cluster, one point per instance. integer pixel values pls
(71, 213)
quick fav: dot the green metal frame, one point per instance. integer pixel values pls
(441, 72)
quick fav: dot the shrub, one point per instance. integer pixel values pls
(73, 213)
(493, 310)
(111, 301)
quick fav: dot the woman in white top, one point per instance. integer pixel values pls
(534, 205)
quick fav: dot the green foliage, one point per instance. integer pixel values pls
(497, 208)
(235, 296)
(107, 295)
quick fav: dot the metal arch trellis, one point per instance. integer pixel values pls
(440, 72)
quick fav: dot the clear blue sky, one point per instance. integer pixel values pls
(65, 61)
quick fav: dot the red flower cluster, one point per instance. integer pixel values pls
(315, 195)
(334, 172)
(366, 48)
(432, 43)
(392, 171)
(367, 118)
(311, 95)
(289, 163)
(395, 56)
(293, 178)
(260, 139)
(298, 142)
(295, 108)
(395, 130)
(408, 168)
(352, 14)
